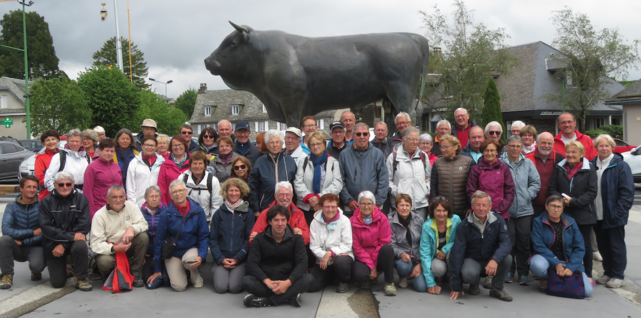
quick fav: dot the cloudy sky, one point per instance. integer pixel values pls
(177, 35)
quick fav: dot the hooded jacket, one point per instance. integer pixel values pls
(99, 176)
(152, 224)
(399, 241)
(582, 189)
(140, 177)
(543, 235)
(229, 235)
(108, 226)
(335, 236)
(252, 153)
(411, 176)
(211, 151)
(220, 170)
(43, 159)
(194, 231)
(303, 183)
(493, 243)
(368, 239)
(526, 185)
(61, 218)
(169, 172)
(363, 170)
(617, 192)
(209, 201)
(262, 180)
(449, 179)
(429, 244)
(495, 180)
(296, 220)
(585, 140)
(545, 170)
(76, 163)
(282, 260)
(19, 221)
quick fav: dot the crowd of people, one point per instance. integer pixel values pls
(294, 213)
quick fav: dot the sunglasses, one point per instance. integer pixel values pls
(208, 137)
(240, 167)
(440, 198)
(62, 185)
(494, 133)
(187, 132)
(365, 134)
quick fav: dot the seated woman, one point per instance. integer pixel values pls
(191, 242)
(436, 241)
(151, 209)
(406, 238)
(229, 237)
(371, 237)
(560, 253)
(331, 242)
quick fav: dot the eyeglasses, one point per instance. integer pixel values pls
(485, 205)
(567, 122)
(492, 132)
(184, 132)
(412, 139)
(240, 167)
(119, 197)
(62, 185)
(403, 122)
(179, 191)
(555, 207)
(177, 146)
(514, 146)
(309, 126)
(460, 116)
(330, 207)
(290, 138)
(425, 143)
(224, 146)
(359, 134)
(149, 145)
(316, 144)
(446, 147)
(208, 137)
(366, 204)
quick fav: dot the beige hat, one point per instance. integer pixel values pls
(149, 123)
(295, 131)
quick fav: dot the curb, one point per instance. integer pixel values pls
(33, 298)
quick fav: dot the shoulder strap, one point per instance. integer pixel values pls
(305, 164)
(180, 227)
(210, 177)
(185, 178)
(394, 164)
(87, 157)
(63, 160)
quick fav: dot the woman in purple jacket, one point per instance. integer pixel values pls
(101, 174)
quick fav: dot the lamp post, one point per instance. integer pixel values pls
(103, 15)
(168, 82)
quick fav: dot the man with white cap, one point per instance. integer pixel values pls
(292, 144)
(149, 128)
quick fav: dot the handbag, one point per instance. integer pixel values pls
(568, 287)
(169, 244)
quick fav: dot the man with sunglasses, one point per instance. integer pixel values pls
(567, 124)
(65, 220)
(493, 130)
(362, 168)
(187, 133)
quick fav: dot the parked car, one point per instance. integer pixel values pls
(622, 146)
(633, 158)
(11, 156)
(11, 139)
(27, 167)
(33, 144)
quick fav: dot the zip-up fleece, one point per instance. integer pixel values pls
(582, 188)
(229, 234)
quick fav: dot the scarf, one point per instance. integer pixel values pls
(225, 158)
(179, 163)
(406, 224)
(242, 148)
(124, 158)
(233, 206)
(317, 162)
(529, 149)
(573, 170)
(149, 161)
(367, 220)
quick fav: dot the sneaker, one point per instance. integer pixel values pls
(36, 277)
(543, 285)
(342, 288)
(83, 285)
(509, 277)
(523, 281)
(603, 279)
(198, 283)
(138, 282)
(474, 290)
(296, 301)
(488, 282)
(402, 283)
(615, 283)
(390, 290)
(255, 301)
(500, 294)
(597, 256)
(7, 281)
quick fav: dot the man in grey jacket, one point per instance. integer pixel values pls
(362, 168)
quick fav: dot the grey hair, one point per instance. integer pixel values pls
(366, 195)
(402, 114)
(272, 133)
(115, 187)
(444, 122)
(600, 137)
(74, 132)
(283, 184)
(515, 138)
(479, 195)
(91, 134)
(361, 124)
(460, 109)
(381, 123)
(407, 131)
(518, 123)
(62, 175)
(177, 182)
(99, 129)
(493, 124)
(152, 188)
(427, 137)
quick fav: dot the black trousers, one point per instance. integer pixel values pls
(586, 230)
(612, 247)
(519, 230)
(538, 210)
(147, 268)
(258, 288)
(385, 264)
(58, 266)
(341, 269)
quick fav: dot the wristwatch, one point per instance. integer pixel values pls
(112, 249)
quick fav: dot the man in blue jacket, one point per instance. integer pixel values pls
(22, 236)
(482, 248)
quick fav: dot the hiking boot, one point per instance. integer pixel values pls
(474, 290)
(603, 279)
(509, 277)
(296, 301)
(7, 281)
(36, 277)
(615, 283)
(488, 282)
(402, 283)
(390, 290)
(543, 285)
(342, 288)
(138, 282)
(70, 271)
(255, 301)
(500, 294)
(83, 285)
(524, 281)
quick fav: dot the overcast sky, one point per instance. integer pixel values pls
(176, 36)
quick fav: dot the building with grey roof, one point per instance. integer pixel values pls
(630, 100)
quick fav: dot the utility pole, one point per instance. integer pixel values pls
(118, 44)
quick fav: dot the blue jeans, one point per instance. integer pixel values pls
(539, 267)
(404, 269)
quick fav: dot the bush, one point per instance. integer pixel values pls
(615, 131)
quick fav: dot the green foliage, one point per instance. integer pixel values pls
(107, 56)
(43, 62)
(187, 101)
(168, 118)
(627, 83)
(492, 107)
(112, 98)
(615, 131)
(58, 104)
(595, 132)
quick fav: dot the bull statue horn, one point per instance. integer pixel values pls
(242, 29)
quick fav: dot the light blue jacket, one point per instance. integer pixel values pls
(527, 184)
(429, 241)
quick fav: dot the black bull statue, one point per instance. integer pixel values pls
(296, 76)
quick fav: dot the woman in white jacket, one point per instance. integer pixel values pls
(331, 242)
(201, 185)
(409, 171)
(71, 158)
(317, 175)
(143, 171)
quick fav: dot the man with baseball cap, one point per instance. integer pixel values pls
(149, 128)
(293, 145)
(243, 146)
(338, 142)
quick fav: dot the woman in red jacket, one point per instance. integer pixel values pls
(176, 163)
(50, 140)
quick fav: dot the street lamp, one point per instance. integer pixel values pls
(103, 16)
(168, 82)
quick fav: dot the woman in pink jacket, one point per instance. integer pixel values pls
(175, 164)
(371, 235)
(101, 174)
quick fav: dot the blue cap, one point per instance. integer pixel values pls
(242, 124)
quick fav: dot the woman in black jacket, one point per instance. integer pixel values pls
(575, 179)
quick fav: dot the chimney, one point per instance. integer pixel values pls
(203, 88)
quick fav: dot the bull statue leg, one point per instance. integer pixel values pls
(402, 99)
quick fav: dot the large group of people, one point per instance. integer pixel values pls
(296, 213)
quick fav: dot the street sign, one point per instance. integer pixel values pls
(7, 122)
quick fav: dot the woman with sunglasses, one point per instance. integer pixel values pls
(207, 142)
(241, 168)
(170, 169)
(222, 163)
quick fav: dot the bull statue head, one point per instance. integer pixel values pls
(243, 29)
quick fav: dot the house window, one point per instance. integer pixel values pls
(263, 125)
(200, 129)
(321, 124)
(256, 126)
(233, 126)
(598, 122)
(282, 126)
(5, 101)
(235, 109)
(208, 111)
(264, 109)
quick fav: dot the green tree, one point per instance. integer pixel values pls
(591, 57)
(492, 106)
(59, 104)
(113, 100)
(107, 56)
(465, 54)
(167, 117)
(187, 101)
(43, 62)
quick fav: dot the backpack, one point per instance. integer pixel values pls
(63, 159)
(210, 177)
(395, 163)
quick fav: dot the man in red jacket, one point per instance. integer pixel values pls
(284, 196)
(567, 124)
(544, 159)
